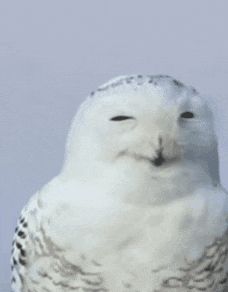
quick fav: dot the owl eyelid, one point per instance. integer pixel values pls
(121, 118)
(187, 115)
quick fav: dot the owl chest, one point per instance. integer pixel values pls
(134, 245)
(133, 235)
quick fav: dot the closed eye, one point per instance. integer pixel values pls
(121, 118)
(187, 115)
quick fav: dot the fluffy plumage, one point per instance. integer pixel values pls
(138, 205)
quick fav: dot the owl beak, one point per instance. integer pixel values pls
(159, 159)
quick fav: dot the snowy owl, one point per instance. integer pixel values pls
(138, 205)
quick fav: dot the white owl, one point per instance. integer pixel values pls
(138, 205)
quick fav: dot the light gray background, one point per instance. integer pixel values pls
(53, 53)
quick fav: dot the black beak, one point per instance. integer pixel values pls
(159, 159)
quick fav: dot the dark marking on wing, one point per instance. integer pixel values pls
(21, 234)
(205, 274)
(58, 274)
(18, 253)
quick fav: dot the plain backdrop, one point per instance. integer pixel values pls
(53, 53)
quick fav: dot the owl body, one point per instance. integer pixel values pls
(137, 207)
(122, 247)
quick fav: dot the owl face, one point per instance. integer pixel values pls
(159, 123)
